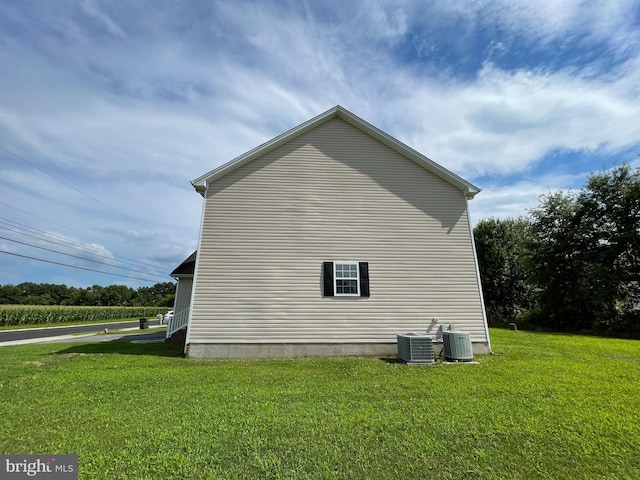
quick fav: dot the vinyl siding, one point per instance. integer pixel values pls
(333, 193)
(183, 294)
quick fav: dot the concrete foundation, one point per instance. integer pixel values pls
(298, 350)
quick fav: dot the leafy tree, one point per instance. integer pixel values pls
(82, 297)
(168, 300)
(155, 295)
(559, 269)
(96, 294)
(9, 294)
(610, 206)
(501, 246)
(60, 294)
(115, 295)
(586, 248)
(29, 293)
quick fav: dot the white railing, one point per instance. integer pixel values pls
(178, 322)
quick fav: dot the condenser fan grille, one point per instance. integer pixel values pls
(415, 348)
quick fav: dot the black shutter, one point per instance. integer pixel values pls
(327, 270)
(364, 278)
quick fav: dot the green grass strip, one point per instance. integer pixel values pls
(546, 407)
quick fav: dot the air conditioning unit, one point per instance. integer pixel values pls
(457, 345)
(414, 348)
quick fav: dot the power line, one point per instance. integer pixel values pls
(76, 267)
(73, 230)
(82, 193)
(74, 188)
(79, 257)
(41, 237)
(67, 243)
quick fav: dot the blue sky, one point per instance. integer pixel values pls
(126, 102)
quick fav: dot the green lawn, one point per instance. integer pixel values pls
(547, 406)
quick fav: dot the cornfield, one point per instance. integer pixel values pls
(11, 315)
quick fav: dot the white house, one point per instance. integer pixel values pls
(329, 240)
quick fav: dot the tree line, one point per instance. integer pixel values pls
(571, 264)
(159, 295)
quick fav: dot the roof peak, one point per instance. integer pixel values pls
(339, 111)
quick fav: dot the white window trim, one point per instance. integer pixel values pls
(335, 279)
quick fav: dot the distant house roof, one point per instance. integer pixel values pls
(187, 267)
(470, 190)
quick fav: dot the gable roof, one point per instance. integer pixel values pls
(470, 190)
(187, 267)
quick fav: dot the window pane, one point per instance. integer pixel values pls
(346, 270)
(347, 287)
(346, 278)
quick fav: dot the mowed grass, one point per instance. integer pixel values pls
(546, 407)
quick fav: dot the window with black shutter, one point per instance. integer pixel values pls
(346, 279)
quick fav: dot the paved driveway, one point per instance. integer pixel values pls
(79, 333)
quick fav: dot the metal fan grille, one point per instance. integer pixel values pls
(415, 348)
(457, 345)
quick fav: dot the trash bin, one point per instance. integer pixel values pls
(144, 323)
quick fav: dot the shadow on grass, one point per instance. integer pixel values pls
(392, 360)
(125, 347)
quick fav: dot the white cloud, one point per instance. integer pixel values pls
(25, 240)
(387, 23)
(128, 102)
(548, 20)
(506, 121)
(517, 199)
(92, 9)
(501, 122)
